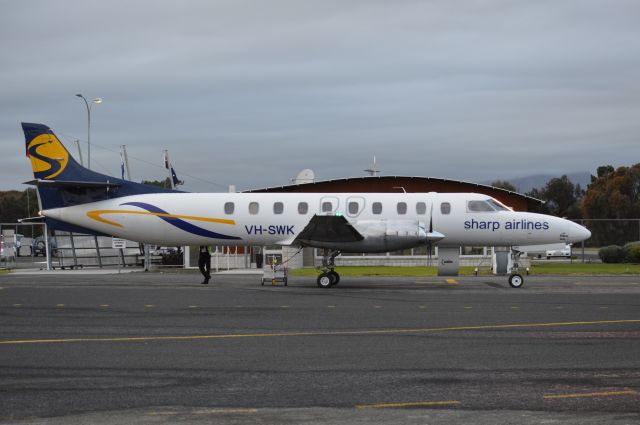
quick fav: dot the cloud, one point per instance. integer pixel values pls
(249, 93)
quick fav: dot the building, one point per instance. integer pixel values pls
(517, 201)
(370, 184)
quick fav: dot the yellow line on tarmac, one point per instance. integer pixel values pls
(322, 333)
(202, 412)
(413, 404)
(601, 394)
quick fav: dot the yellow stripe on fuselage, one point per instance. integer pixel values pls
(97, 215)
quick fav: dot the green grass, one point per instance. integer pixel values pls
(584, 269)
(539, 269)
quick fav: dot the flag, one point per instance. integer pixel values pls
(176, 182)
(168, 166)
(122, 164)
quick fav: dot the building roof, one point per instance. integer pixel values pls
(409, 184)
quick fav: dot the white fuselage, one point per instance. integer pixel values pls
(277, 218)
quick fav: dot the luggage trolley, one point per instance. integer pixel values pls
(273, 270)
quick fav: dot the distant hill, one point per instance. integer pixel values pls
(525, 184)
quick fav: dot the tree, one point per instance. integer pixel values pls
(504, 184)
(166, 183)
(561, 196)
(614, 194)
(15, 205)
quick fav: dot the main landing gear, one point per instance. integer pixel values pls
(328, 277)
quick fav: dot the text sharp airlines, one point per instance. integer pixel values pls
(77, 199)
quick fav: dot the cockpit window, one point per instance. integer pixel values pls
(479, 206)
(497, 205)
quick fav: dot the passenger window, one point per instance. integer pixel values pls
(421, 208)
(353, 208)
(303, 207)
(479, 206)
(402, 208)
(445, 208)
(327, 207)
(376, 208)
(229, 207)
(254, 207)
(278, 207)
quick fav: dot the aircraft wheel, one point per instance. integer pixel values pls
(325, 280)
(335, 277)
(516, 280)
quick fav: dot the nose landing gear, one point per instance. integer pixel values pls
(516, 280)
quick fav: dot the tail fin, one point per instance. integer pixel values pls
(49, 158)
(62, 181)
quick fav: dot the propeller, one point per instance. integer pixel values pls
(432, 237)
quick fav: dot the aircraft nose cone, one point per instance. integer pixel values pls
(578, 233)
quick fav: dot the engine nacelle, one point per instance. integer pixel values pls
(385, 236)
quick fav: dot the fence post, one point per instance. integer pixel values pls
(73, 250)
(47, 247)
(582, 243)
(95, 238)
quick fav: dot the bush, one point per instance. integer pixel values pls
(612, 254)
(632, 252)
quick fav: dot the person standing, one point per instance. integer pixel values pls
(204, 263)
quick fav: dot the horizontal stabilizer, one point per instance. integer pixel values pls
(38, 219)
(69, 183)
(328, 228)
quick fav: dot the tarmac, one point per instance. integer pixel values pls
(98, 346)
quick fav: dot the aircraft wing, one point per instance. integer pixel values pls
(69, 183)
(327, 228)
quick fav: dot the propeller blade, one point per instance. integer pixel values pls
(431, 219)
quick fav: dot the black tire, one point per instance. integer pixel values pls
(335, 276)
(325, 280)
(516, 280)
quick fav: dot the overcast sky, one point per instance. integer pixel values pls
(252, 92)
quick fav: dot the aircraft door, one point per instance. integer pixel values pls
(355, 205)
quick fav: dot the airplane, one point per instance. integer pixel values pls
(74, 198)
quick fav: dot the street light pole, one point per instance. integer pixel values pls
(96, 100)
